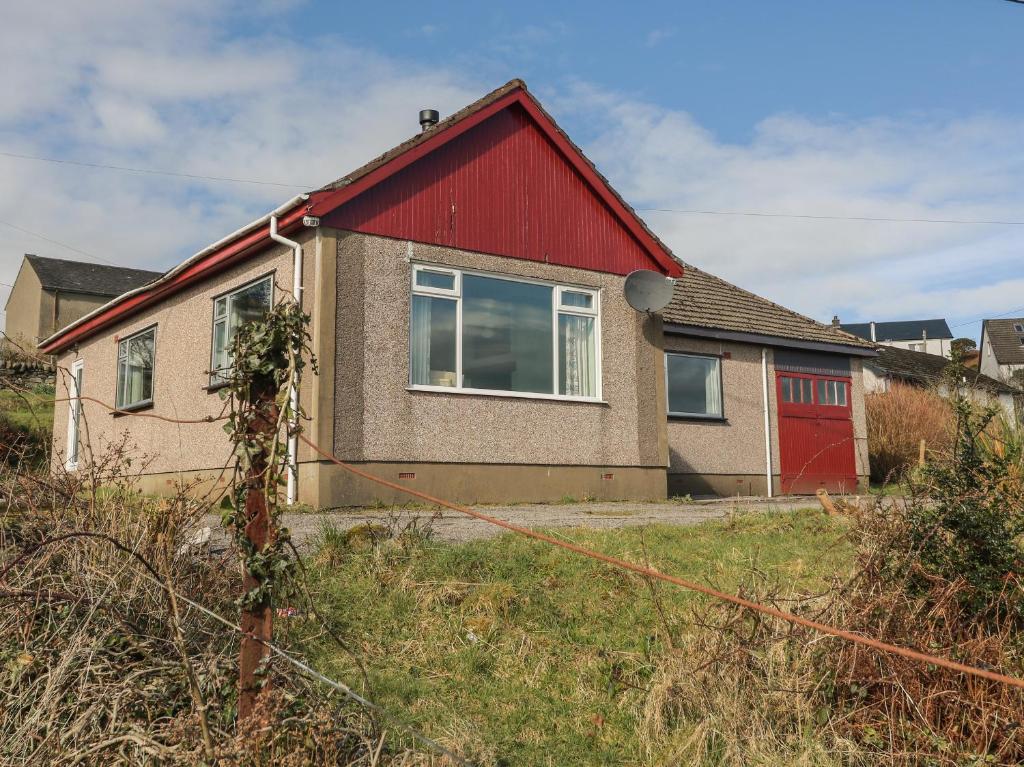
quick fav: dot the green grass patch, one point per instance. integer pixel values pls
(519, 653)
(26, 423)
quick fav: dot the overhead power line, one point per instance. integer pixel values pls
(760, 214)
(988, 316)
(58, 242)
(152, 171)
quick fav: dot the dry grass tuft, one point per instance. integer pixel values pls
(100, 668)
(898, 420)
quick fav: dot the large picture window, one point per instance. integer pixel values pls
(480, 332)
(135, 366)
(694, 385)
(230, 312)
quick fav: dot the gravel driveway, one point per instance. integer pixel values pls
(452, 526)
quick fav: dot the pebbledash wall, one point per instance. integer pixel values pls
(167, 454)
(481, 448)
(468, 447)
(727, 457)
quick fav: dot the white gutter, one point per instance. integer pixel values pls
(180, 267)
(767, 422)
(293, 386)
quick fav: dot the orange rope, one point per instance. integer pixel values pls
(823, 628)
(647, 572)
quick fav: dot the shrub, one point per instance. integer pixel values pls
(898, 420)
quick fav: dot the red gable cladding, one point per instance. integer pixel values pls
(500, 188)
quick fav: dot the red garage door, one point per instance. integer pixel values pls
(815, 433)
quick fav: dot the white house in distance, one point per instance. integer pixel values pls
(928, 336)
(1002, 348)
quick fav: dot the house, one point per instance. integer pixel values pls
(466, 297)
(50, 293)
(929, 370)
(1002, 349)
(929, 336)
(761, 400)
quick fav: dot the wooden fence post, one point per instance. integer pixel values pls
(256, 619)
(920, 456)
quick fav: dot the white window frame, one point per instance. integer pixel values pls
(122, 343)
(215, 379)
(74, 414)
(721, 388)
(455, 294)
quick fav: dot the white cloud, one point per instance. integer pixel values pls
(164, 85)
(916, 166)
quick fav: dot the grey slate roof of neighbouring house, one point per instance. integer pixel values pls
(81, 277)
(929, 369)
(905, 330)
(705, 301)
(1007, 343)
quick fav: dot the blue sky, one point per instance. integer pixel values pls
(874, 109)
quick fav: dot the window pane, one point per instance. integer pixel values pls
(507, 335)
(823, 392)
(248, 304)
(441, 280)
(76, 416)
(432, 341)
(808, 397)
(135, 371)
(841, 392)
(575, 298)
(694, 385)
(577, 356)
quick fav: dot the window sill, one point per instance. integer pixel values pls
(505, 394)
(698, 418)
(214, 387)
(123, 411)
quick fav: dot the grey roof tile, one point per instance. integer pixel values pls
(81, 277)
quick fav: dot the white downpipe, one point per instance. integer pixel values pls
(293, 387)
(767, 422)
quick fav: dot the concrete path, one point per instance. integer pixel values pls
(449, 525)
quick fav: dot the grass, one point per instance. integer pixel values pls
(518, 653)
(28, 411)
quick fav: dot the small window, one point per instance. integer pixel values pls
(694, 385)
(797, 390)
(1018, 327)
(428, 278)
(135, 366)
(832, 393)
(74, 414)
(574, 299)
(230, 312)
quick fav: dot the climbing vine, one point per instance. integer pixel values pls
(266, 354)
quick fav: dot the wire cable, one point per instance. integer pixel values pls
(760, 214)
(152, 171)
(57, 242)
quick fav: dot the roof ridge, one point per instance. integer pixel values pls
(828, 328)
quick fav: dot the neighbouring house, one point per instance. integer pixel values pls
(1002, 350)
(466, 297)
(928, 336)
(931, 371)
(50, 293)
(761, 399)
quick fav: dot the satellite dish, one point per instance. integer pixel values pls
(648, 291)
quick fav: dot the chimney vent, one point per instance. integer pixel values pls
(428, 118)
(835, 321)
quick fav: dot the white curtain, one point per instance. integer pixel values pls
(712, 388)
(578, 355)
(419, 340)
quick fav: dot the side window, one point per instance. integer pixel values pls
(74, 414)
(797, 390)
(694, 385)
(230, 312)
(135, 367)
(832, 393)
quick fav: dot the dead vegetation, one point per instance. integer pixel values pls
(101, 667)
(898, 420)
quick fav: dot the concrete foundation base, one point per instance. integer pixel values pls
(490, 483)
(727, 485)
